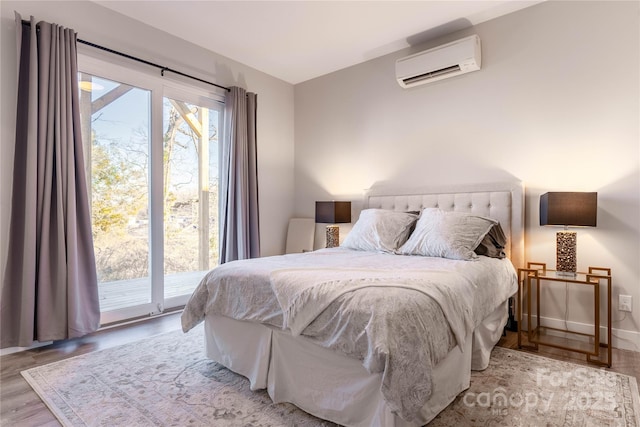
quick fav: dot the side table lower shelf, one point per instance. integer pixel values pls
(530, 280)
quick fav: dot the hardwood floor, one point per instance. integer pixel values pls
(21, 406)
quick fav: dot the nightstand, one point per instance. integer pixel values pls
(536, 276)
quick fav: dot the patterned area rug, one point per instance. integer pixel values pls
(522, 389)
(167, 380)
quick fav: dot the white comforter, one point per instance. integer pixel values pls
(400, 315)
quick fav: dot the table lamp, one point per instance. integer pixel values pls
(569, 209)
(333, 213)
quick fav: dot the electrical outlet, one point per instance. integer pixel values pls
(624, 302)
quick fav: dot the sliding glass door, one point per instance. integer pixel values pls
(151, 155)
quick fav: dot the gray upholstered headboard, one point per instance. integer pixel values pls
(502, 201)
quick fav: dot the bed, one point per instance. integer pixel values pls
(384, 335)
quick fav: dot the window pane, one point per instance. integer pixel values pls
(190, 136)
(115, 127)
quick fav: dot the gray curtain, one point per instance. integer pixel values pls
(50, 287)
(238, 208)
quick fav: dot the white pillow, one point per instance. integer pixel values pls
(380, 230)
(447, 234)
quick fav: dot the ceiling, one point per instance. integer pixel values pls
(300, 40)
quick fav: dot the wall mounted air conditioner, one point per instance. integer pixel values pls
(451, 59)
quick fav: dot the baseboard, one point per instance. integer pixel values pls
(620, 338)
(11, 350)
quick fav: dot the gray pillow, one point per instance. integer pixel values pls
(492, 245)
(447, 234)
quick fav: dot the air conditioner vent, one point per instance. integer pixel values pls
(432, 74)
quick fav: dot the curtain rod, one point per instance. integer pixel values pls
(162, 67)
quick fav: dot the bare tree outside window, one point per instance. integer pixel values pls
(190, 187)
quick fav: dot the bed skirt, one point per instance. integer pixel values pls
(332, 386)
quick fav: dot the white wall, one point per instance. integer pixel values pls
(107, 28)
(555, 105)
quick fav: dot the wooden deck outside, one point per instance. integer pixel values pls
(127, 293)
